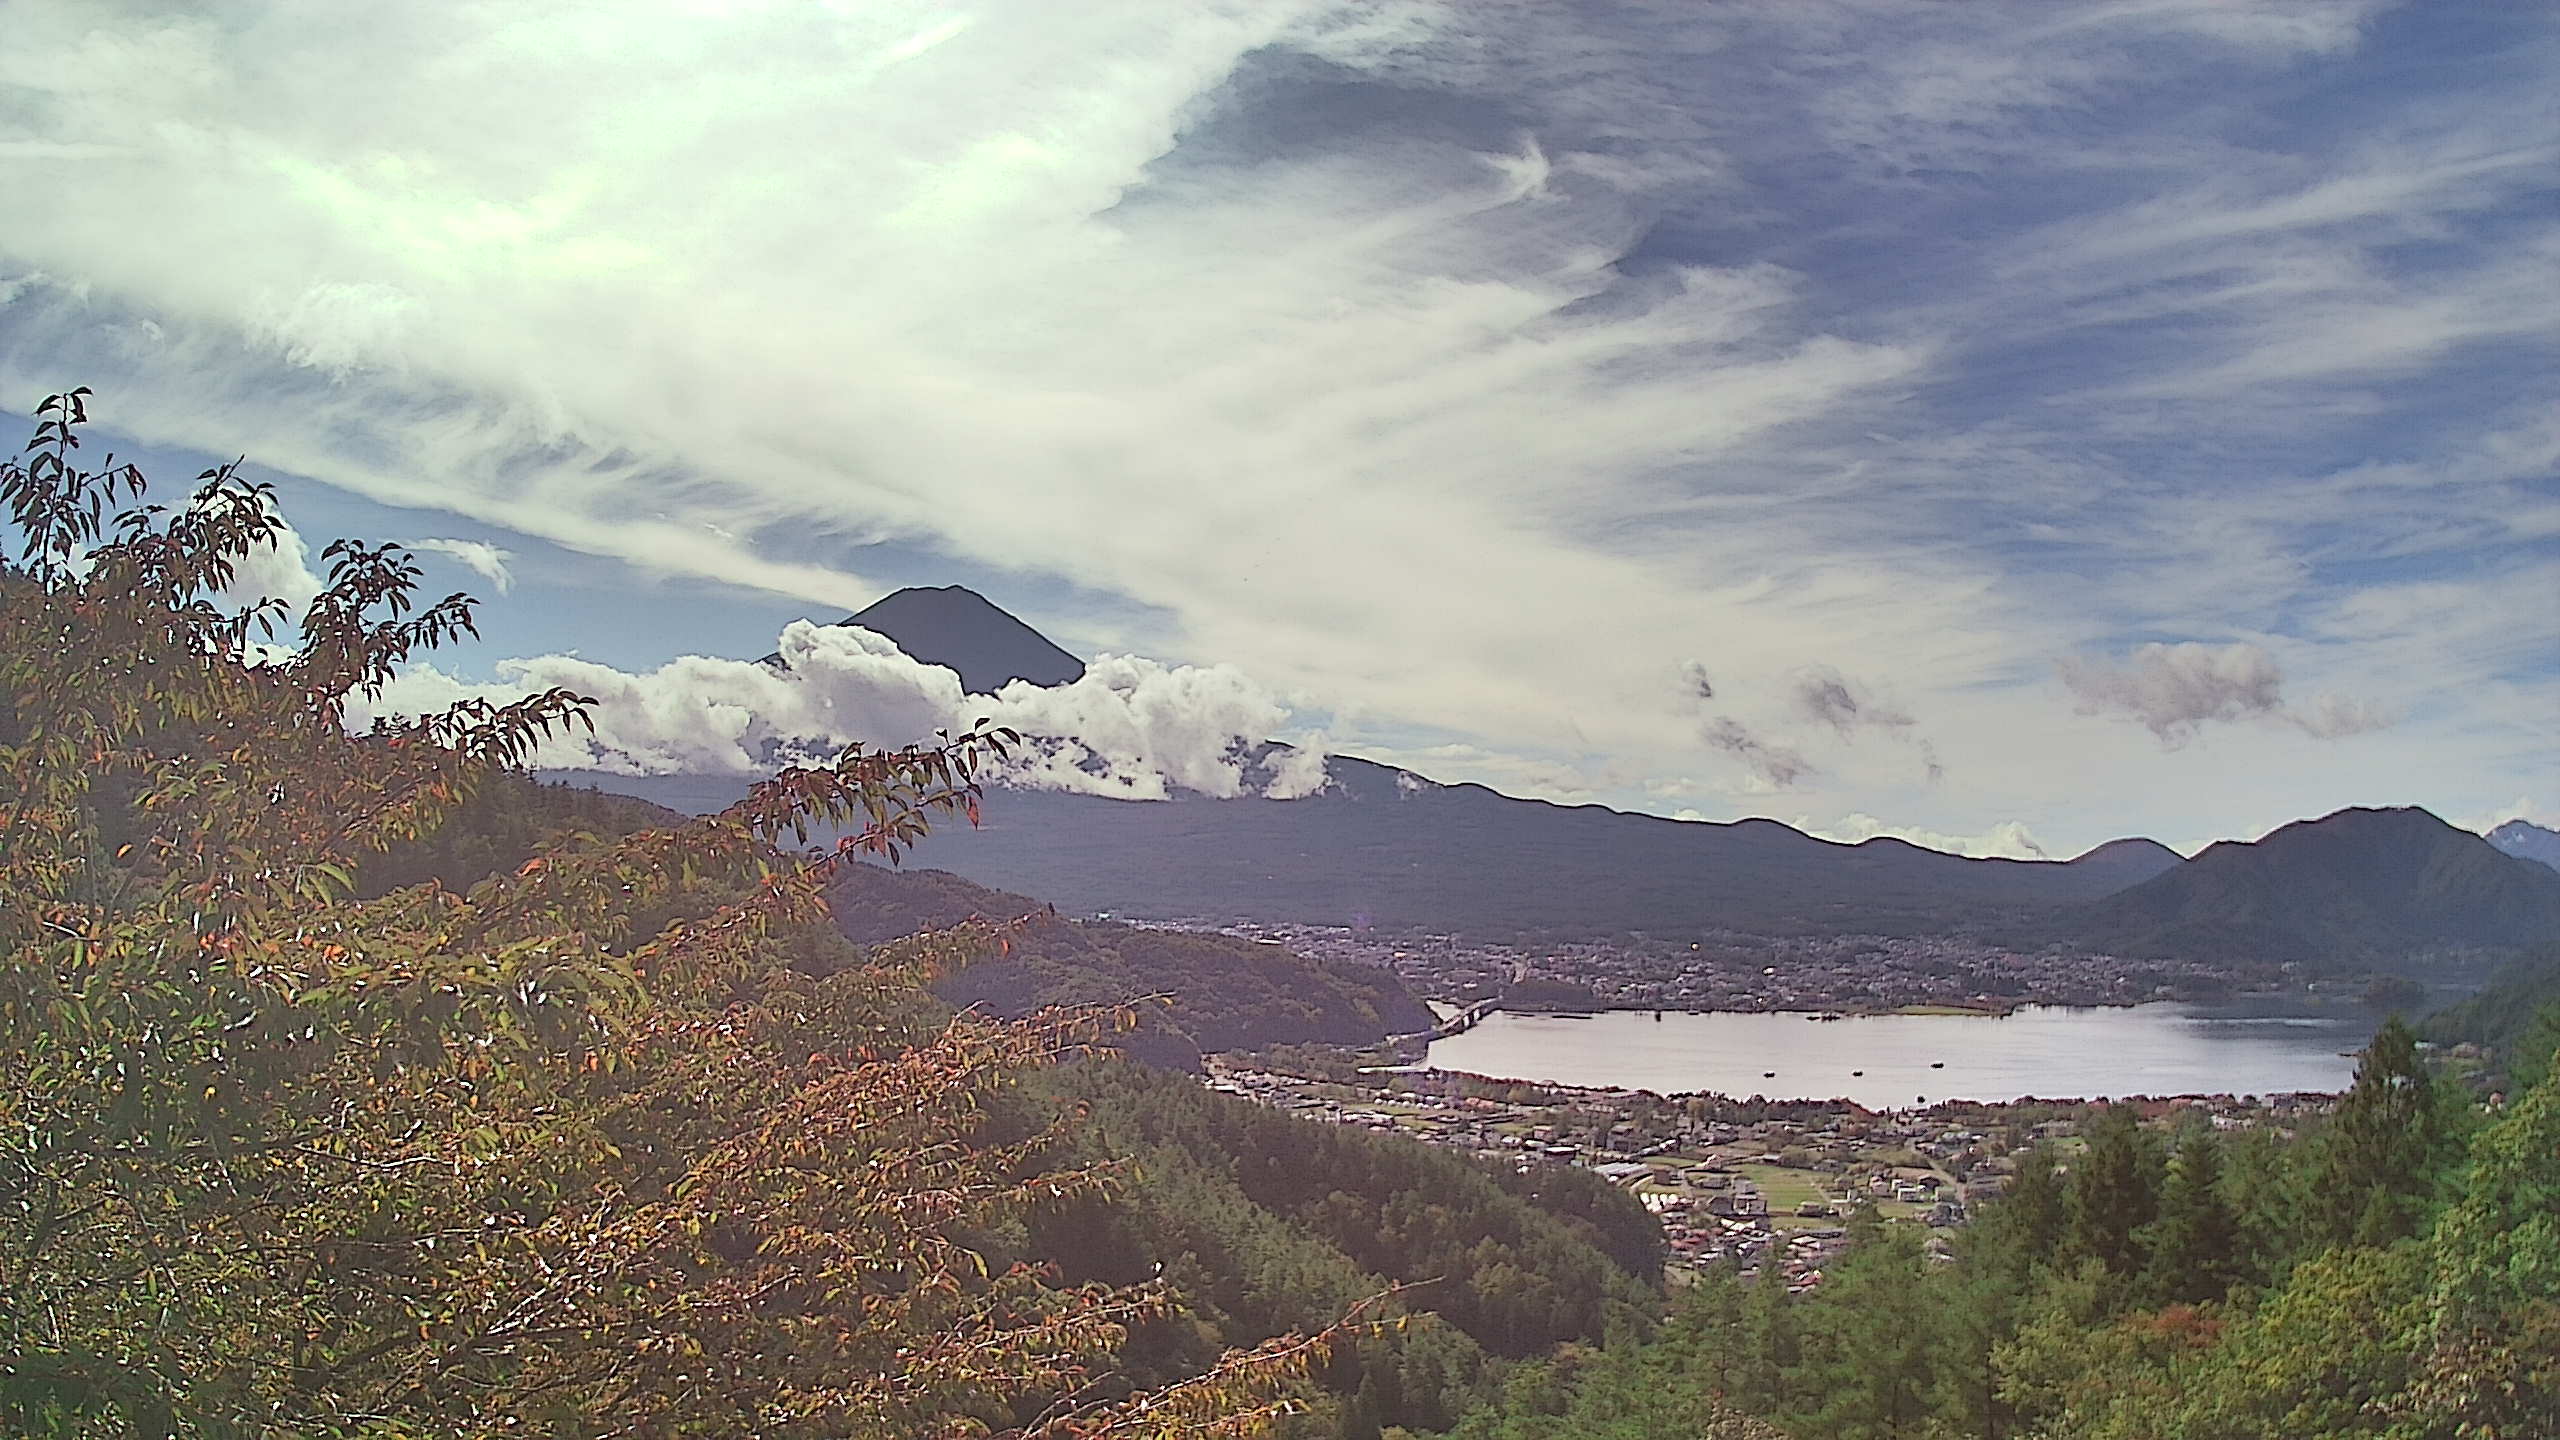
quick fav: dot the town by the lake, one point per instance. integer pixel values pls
(1749, 1182)
(1737, 1177)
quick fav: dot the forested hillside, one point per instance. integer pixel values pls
(2516, 1016)
(1266, 1225)
(1192, 992)
(506, 820)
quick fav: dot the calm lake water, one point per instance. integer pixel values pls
(2049, 1051)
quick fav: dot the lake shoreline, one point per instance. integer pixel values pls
(1896, 1061)
(2268, 1004)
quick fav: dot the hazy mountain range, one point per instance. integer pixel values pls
(1386, 847)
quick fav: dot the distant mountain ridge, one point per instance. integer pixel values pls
(2528, 841)
(1386, 847)
(2357, 885)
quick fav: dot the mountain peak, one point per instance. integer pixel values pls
(2128, 861)
(2140, 847)
(2528, 841)
(2361, 884)
(962, 630)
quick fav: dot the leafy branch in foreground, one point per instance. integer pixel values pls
(618, 1142)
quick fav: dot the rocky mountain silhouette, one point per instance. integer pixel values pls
(962, 630)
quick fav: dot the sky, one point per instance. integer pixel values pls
(2002, 425)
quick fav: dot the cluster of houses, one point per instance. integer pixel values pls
(1751, 1245)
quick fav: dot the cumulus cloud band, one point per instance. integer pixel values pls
(1131, 728)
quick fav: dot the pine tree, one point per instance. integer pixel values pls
(2033, 1210)
(2113, 1193)
(2194, 1245)
(1978, 1301)
(2532, 1054)
(1770, 1344)
(2385, 1152)
(1874, 1370)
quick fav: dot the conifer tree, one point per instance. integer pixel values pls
(1873, 1376)
(2194, 1245)
(2113, 1194)
(2535, 1052)
(1770, 1343)
(2033, 1210)
(1978, 1301)
(2384, 1152)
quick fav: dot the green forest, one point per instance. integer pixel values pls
(358, 1085)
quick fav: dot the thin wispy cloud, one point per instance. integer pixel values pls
(1459, 371)
(488, 561)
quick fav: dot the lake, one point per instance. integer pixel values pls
(2043, 1050)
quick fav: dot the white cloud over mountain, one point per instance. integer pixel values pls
(1130, 728)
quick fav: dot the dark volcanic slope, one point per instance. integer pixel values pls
(2356, 886)
(2120, 864)
(1386, 846)
(953, 626)
(1218, 992)
(2528, 841)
